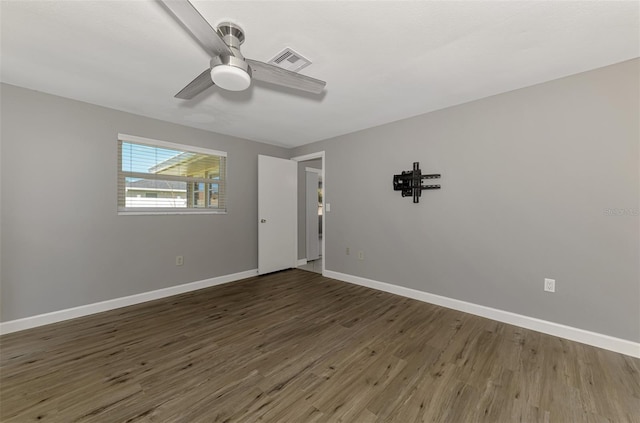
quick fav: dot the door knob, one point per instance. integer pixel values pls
(263, 220)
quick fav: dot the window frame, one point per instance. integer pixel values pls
(133, 211)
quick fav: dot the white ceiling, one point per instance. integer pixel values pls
(383, 61)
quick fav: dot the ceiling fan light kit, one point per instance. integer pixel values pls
(230, 73)
(228, 69)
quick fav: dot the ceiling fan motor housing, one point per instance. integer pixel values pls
(231, 72)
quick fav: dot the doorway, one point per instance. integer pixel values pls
(311, 212)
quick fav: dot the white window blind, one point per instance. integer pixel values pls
(162, 177)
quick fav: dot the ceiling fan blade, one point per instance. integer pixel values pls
(198, 26)
(195, 87)
(275, 75)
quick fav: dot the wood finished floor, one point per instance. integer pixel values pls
(297, 347)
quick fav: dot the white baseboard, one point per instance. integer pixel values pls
(607, 342)
(302, 262)
(599, 340)
(84, 310)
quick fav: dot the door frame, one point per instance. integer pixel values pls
(318, 173)
(304, 158)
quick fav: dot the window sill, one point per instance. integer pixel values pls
(166, 212)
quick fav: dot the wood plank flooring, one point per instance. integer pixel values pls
(297, 347)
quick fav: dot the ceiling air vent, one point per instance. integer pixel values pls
(290, 60)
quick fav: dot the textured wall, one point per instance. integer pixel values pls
(538, 182)
(63, 243)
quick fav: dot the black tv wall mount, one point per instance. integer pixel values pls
(410, 182)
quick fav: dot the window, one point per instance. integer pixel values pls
(162, 177)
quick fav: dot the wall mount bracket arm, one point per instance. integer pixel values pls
(410, 182)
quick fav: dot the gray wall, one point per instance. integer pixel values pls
(302, 204)
(63, 244)
(528, 177)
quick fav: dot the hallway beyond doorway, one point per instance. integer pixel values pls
(313, 266)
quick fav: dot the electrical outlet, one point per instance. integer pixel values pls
(360, 255)
(179, 260)
(549, 285)
(348, 250)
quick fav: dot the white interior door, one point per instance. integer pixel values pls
(277, 214)
(313, 223)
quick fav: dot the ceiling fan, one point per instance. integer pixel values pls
(228, 68)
